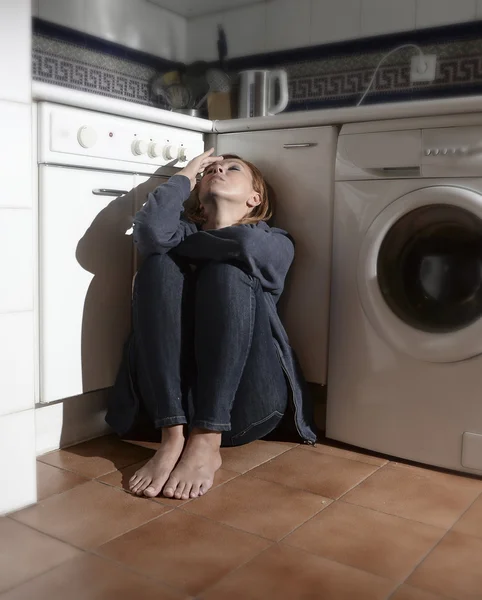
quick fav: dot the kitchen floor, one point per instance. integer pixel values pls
(283, 521)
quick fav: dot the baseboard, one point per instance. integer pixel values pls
(70, 421)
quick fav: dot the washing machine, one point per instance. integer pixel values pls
(405, 353)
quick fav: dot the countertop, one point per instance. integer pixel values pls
(312, 118)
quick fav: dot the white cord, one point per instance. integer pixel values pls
(380, 64)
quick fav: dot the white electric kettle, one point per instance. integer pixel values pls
(257, 93)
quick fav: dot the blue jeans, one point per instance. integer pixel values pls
(205, 355)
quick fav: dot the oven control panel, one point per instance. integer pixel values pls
(81, 137)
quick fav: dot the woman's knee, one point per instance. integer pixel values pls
(159, 269)
(225, 276)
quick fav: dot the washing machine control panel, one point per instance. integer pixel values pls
(452, 151)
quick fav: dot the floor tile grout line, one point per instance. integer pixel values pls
(264, 461)
(239, 567)
(64, 562)
(361, 481)
(110, 539)
(376, 510)
(233, 527)
(306, 447)
(131, 569)
(450, 529)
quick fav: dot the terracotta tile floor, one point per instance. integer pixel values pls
(283, 521)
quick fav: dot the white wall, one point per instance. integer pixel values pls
(285, 24)
(137, 24)
(17, 423)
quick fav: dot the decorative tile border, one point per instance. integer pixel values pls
(322, 76)
(64, 57)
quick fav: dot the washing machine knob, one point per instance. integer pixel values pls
(139, 147)
(86, 136)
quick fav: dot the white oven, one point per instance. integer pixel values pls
(95, 171)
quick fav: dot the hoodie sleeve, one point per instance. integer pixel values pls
(158, 226)
(263, 252)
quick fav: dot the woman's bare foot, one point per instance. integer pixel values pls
(194, 473)
(150, 479)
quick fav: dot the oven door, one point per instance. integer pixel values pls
(85, 274)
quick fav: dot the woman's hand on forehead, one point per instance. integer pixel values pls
(198, 164)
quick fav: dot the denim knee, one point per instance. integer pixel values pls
(224, 275)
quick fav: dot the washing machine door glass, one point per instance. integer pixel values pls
(430, 268)
(420, 273)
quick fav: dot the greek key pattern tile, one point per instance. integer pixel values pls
(85, 70)
(452, 73)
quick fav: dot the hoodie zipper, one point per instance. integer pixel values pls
(295, 410)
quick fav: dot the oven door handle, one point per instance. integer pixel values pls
(109, 192)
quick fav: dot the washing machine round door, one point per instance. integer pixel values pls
(420, 274)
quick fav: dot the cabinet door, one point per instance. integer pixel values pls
(84, 278)
(302, 178)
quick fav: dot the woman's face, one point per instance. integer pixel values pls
(231, 180)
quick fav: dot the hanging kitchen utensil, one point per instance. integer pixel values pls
(218, 81)
(179, 96)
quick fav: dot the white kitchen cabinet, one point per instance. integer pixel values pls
(299, 165)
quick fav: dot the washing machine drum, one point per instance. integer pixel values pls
(420, 274)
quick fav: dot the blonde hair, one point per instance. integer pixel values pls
(263, 212)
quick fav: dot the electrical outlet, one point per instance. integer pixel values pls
(423, 67)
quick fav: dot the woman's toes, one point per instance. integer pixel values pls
(187, 491)
(179, 490)
(143, 483)
(170, 487)
(155, 487)
(134, 480)
(195, 490)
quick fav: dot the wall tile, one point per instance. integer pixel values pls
(431, 13)
(335, 20)
(245, 30)
(202, 35)
(16, 259)
(387, 16)
(70, 13)
(479, 9)
(15, 43)
(16, 362)
(17, 460)
(35, 8)
(288, 24)
(15, 153)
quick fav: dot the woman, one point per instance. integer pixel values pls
(208, 352)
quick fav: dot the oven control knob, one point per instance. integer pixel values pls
(445, 151)
(436, 151)
(139, 147)
(428, 152)
(464, 150)
(86, 136)
(155, 149)
(170, 152)
(184, 154)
